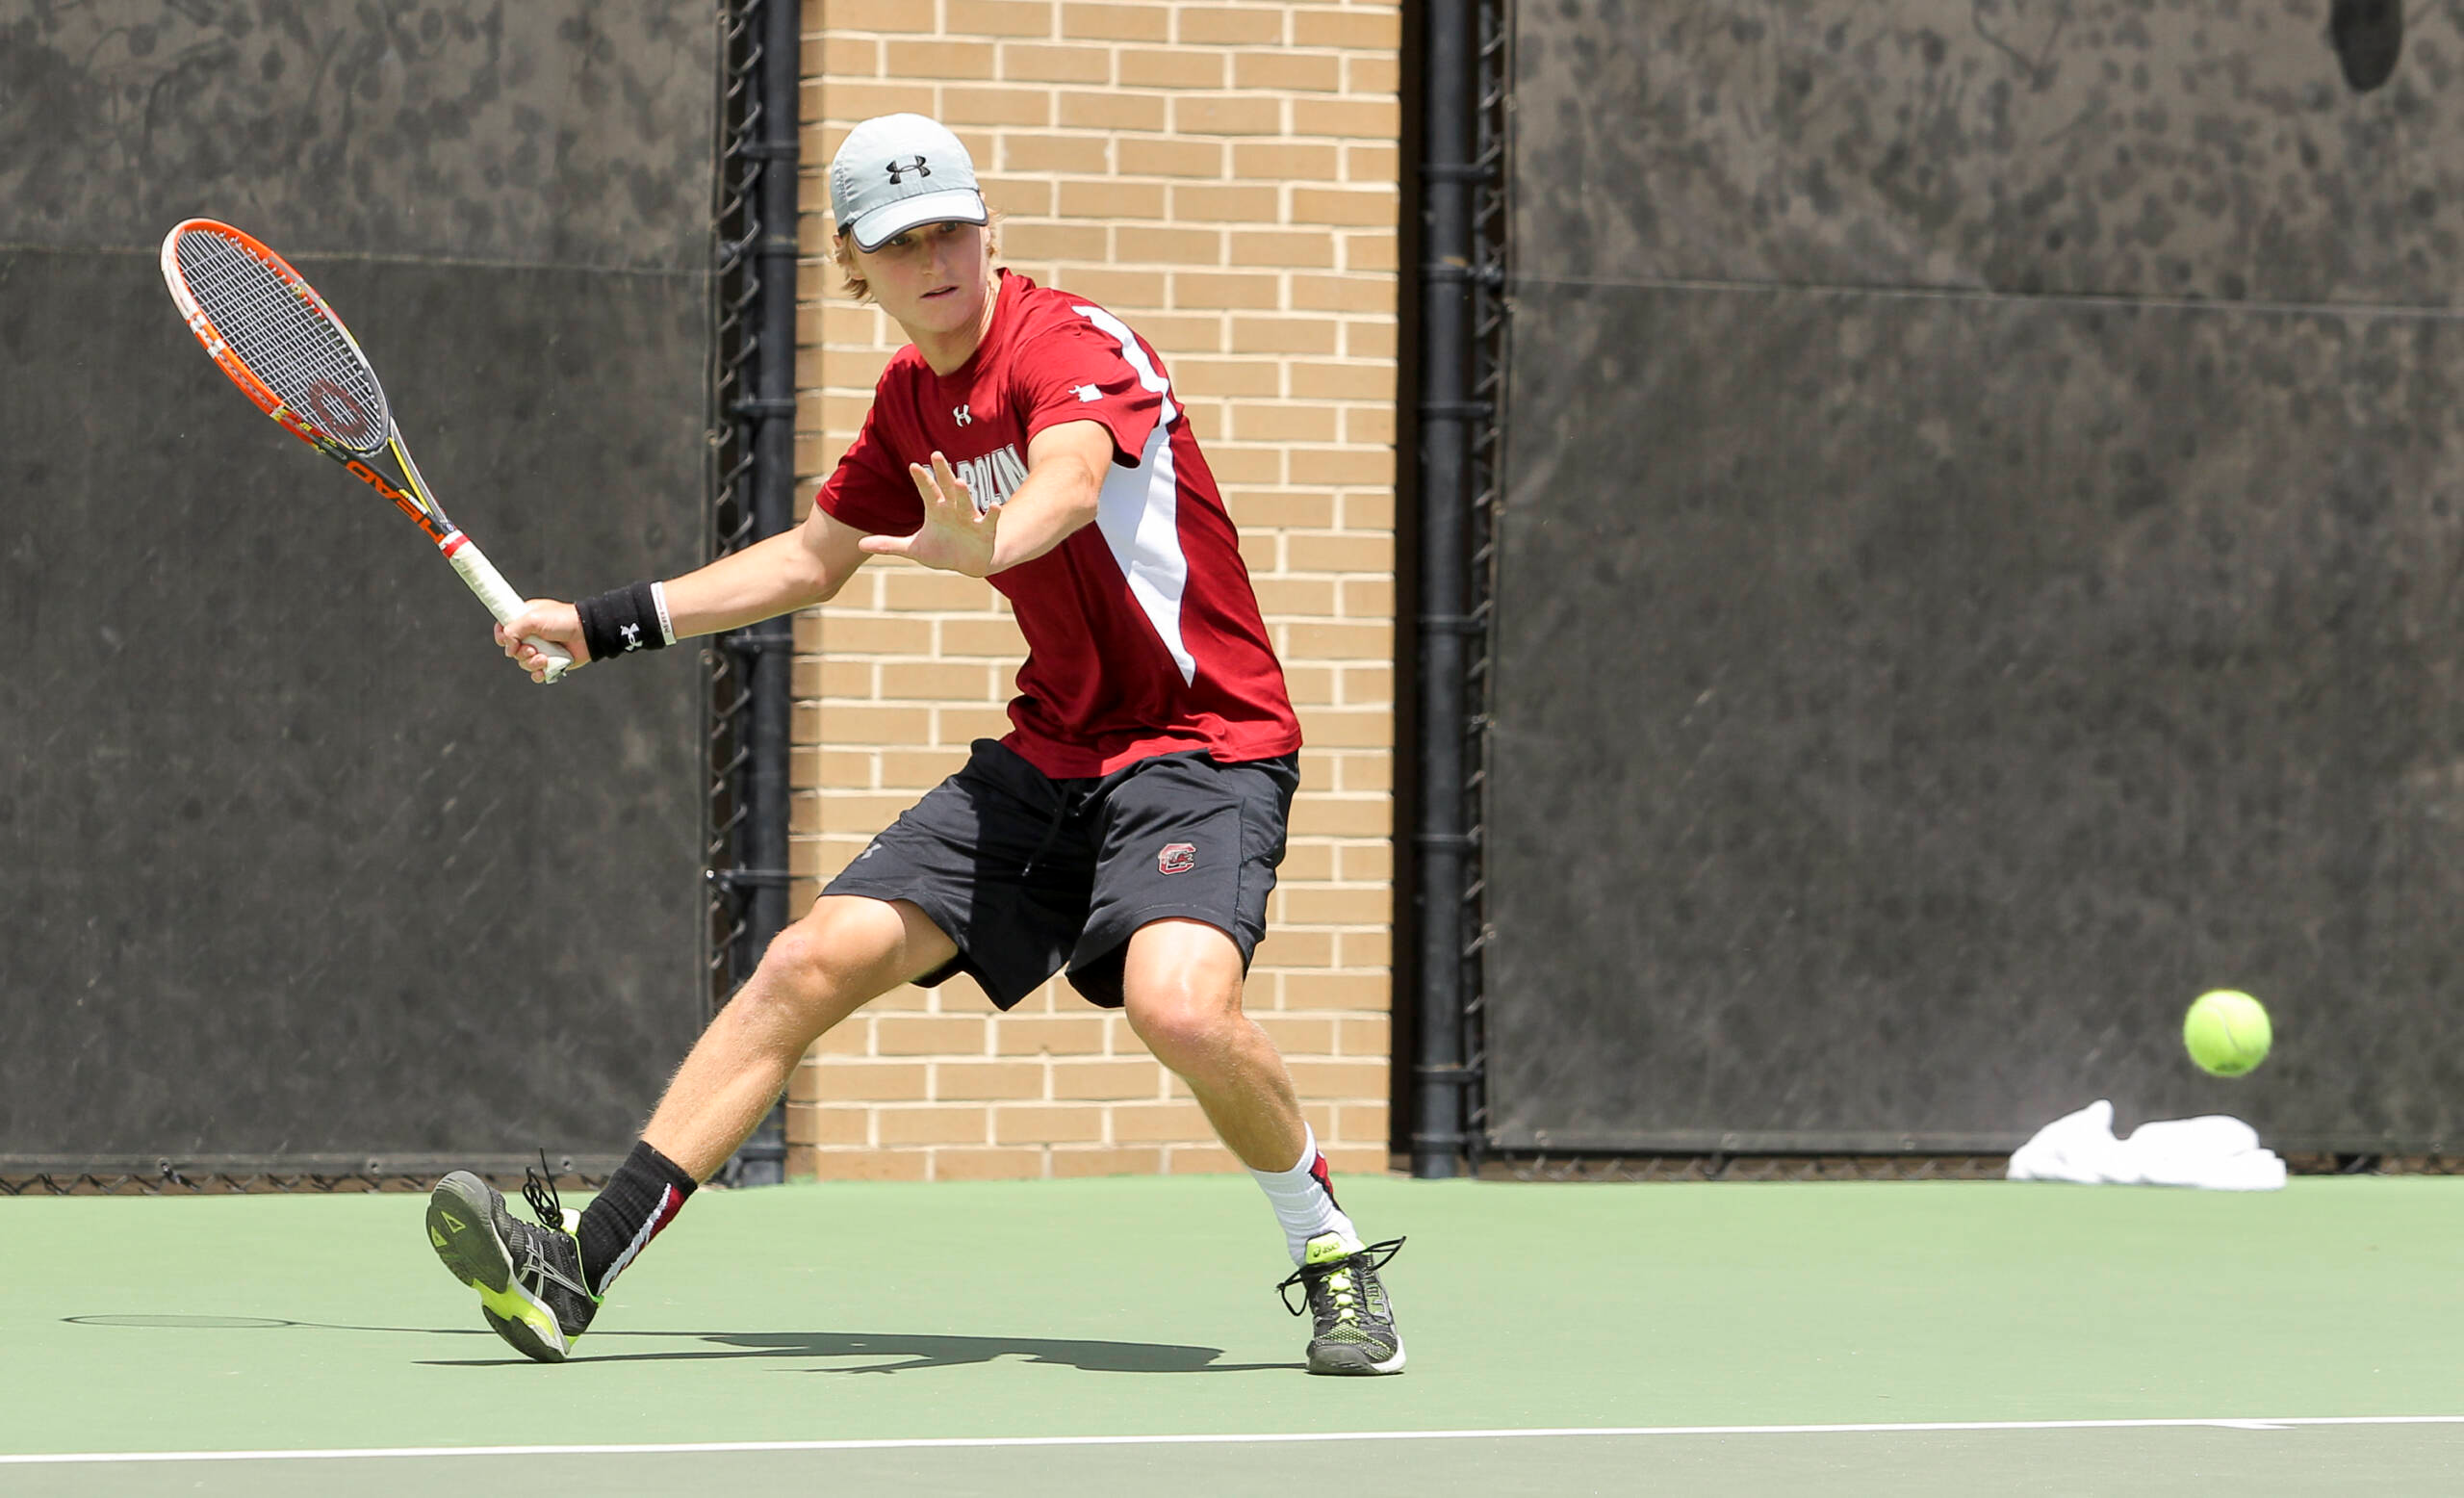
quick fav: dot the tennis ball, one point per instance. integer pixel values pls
(2227, 1033)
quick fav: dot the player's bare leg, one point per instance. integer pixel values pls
(1182, 981)
(846, 953)
(540, 1285)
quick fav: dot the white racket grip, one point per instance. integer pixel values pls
(499, 595)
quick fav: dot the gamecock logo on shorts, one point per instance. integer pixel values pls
(1177, 858)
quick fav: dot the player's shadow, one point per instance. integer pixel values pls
(905, 1352)
(882, 1352)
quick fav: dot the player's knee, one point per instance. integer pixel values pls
(1184, 1022)
(794, 955)
(820, 969)
(1181, 981)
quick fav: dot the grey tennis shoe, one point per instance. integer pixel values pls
(1352, 1329)
(529, 1276)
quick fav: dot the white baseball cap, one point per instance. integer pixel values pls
(895, 172)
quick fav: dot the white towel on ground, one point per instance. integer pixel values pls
(2213, 1152)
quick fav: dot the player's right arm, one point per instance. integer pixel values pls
(792, 570)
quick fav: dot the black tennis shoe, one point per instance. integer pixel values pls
(1354, 1322)
(529, 1276)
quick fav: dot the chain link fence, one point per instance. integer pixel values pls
(730, 523)
(735, 345)
(1494, 80)
(183, 1178)
(169, 1178)
(1652, 1167)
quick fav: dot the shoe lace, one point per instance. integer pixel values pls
(539, 1189)
(1340, 1282)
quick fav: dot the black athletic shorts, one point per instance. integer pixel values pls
(1027, 873)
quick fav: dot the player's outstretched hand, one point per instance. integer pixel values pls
(546, 619)
(955, 537)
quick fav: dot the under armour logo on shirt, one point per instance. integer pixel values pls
(898, 169)
(632, 634)
(959, 414)
(1086, 393)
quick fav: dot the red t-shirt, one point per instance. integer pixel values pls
(1144, 636)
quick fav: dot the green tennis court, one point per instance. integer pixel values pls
(1110, 1335)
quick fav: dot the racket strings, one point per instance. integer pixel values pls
(285, 339)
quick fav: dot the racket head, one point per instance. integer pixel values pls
(267, 329)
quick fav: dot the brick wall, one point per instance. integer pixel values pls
(1223, 176)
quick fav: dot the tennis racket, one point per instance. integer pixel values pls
(268, 328)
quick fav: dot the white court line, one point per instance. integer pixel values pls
(962, 1442)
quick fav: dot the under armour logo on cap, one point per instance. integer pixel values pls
(896, 172)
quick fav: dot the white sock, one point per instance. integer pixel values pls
(1303, 1202)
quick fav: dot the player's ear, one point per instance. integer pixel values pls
(842, 253)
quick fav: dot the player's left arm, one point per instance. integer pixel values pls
(1065, 467)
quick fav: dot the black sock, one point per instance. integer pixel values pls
(643, 1197)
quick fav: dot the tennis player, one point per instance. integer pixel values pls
(1129, 825)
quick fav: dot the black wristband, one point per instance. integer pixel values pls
(620, 621)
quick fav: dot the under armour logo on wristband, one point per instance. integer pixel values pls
(1177, 858)
(632, 634)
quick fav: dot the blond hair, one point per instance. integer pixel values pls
(842, 253)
